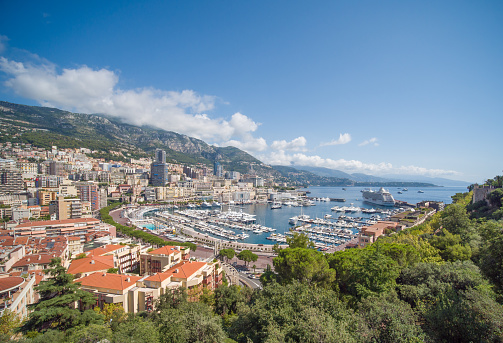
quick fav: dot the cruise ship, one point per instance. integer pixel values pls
(381, 197)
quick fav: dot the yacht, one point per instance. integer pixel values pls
(381, 197)
(275, 205)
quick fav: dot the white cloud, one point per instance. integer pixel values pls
(297, 144)
(344, 138)
(87, 90)
(3, 40)
(248, 143)
(372, 141)
(350, 166)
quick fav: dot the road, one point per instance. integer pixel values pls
(254, 283)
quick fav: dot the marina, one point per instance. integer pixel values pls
(258, 223)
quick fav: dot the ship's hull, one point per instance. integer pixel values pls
(381, 198)
(379, 202)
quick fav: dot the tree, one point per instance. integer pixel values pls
(8, 322)
(455, 219)
(390, 319)
(305, 265)
(296, 312)
(190, 322)
(228, 254)
(230, 299)
(299, 240)
(55, 309)
(450, 246)
(136, 330)
(113, 314)
(89, 333)
(247, 256)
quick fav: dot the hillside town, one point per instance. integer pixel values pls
(49, 207)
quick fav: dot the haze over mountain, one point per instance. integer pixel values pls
(387, 178)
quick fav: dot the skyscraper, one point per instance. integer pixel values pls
(160, 155)
(159, 169)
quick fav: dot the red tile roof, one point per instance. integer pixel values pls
(10, 282)
(91, 264)
(104, 249)
(34, 259)
(110, 281)
(165, 250)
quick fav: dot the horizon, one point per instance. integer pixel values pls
(388, 88)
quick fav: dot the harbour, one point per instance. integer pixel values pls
(259, 223)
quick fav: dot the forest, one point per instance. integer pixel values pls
(441, 281)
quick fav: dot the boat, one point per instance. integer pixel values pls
(405, 189)
(293, 220)
(420, 191)
(275, 205)
(399, 192)
(381, 197)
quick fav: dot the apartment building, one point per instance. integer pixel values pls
(160, 260)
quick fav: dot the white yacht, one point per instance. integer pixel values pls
(381, 197)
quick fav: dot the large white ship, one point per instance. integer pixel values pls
(381, 197)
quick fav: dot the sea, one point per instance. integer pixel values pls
(278, 218)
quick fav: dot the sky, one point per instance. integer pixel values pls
(375, 87)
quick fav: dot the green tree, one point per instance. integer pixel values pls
(455, 219)
(136, 330)
(247, 256)
(390, 319)
(305, 265)
(55, 309)
(8, 322)
(231, 299)
(299, 240)
(296, 312)
(190, 322)
(450, 246)
(90, 333)
(228, 254)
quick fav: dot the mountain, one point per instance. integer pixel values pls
(110, 138)
(359, 177)
(342, 175)
(436, 180)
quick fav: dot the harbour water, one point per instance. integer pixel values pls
(279, 218)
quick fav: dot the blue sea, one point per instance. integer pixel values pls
(278, 218)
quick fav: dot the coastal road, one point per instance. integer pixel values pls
(253, 283)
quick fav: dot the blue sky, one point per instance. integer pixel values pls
(379, 87)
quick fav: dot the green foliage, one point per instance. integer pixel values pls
(230, 299)
(136, 330)
(455, 219)
(57, 295)
(8, 322)
(295, 312)
(390, 319)
(89, 333)
(450, 247)
(299, 240)
(247, 256)
(227, 253)
(112, 270)
(305, 265)
(190, 322)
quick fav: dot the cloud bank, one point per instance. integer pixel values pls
(95, 91)
(350, 166)
(88, 90)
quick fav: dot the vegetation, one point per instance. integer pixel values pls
(441, 281)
